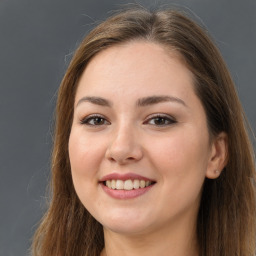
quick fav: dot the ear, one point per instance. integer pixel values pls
(218, 156)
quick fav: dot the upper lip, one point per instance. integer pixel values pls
(124, 176)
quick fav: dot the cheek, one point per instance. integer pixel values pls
(84, 153)
(85, 157)
(182, 165)
(182, 162)
(182, 150)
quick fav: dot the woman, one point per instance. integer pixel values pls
(151, 153)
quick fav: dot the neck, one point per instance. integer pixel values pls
(165, 242)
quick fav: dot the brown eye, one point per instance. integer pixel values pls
(161, 120)
(95, 121)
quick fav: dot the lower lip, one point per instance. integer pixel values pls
(125, 194)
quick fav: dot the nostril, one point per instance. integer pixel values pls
(112, 159)
(130, 158)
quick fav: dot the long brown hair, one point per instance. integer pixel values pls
(226, 220)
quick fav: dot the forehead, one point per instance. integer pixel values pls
(136, 66)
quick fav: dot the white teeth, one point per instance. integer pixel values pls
(136, 184)
(142, 183)
(127, 184)
(119, 184)
(108, 183)
(113, 184)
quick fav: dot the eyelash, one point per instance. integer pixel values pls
(166, 118)
(161, 117)
(89, 118)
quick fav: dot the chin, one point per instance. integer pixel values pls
(126, 228)
(126, 223)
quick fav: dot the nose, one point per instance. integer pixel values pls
(124, 146)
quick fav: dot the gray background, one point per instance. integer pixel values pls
(37, 38)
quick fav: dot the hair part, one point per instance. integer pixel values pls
(226, 219)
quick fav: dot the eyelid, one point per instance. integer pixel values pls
(161, 115)
(84, 120)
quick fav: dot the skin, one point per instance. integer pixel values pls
(176, 152)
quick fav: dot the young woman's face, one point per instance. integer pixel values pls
(139, 145)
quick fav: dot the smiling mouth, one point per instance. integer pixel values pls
(127, 184)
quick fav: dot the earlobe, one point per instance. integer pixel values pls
(219, 156)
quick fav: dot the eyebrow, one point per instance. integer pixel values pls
(158, 99)
(147, 101)
(95, 100)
